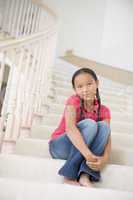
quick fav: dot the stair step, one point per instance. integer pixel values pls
(31, 190)
(110, 100)
(45, 131)
(35, 147)
(46, 171)
(67, 91)
(32, 147)
(121, 127)
(58, 106)
(112, 104)
(42, 132)
(122, 140)
(58, 109)
(116, 126)
(65, 82)
(121, 156)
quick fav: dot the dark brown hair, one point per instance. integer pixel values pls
(94, 76)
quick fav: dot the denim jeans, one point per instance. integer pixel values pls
(95, 135)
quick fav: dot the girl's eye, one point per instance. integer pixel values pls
(80, 86)
(89, 84)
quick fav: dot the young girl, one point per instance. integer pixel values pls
(83, 135)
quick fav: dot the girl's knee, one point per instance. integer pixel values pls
(103, 125)
(59, 151)
(88, 129)
(90, 123)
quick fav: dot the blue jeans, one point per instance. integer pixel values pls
(95, 135)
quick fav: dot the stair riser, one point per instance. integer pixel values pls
(103, 93)
(115, 125)
(66, 83)
(58, 109)
(119, 155)
(116, 106)
(122, 140)
(105, 100)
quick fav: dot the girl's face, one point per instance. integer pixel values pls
(85, 86)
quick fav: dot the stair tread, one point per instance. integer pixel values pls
(33, 190)
(45, 171)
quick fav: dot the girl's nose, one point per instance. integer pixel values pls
(85, 89)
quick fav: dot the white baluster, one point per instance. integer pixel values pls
(31, 83)
(17, 110)
(40, 75)
(30, 20)
(11, 132)
(38, 19)
(19, 18)
(11, 16)
(26, 82)
(17, 8)
(26, 19)
(34, 19)
(6, 15)
(27, 91)
(12, 101)
(36, 75)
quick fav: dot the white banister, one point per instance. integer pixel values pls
(20, 109)
(22, 18)
(30, 57)
(38, 20)
(5, 16)
(15, 18)
(11, 16)
(35, 12)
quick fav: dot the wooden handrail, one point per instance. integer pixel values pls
(45, 7)
(28, 20)
(116, 74)
(13, 43)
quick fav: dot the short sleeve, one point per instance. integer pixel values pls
(73, 100)
(105, 113)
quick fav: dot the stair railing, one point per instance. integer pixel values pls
(30, 55)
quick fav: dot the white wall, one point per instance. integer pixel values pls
(99, 30)
(117, 44)
(80, 25)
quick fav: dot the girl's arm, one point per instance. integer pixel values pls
(108, 146)
(74, 134)
(102, 160)
(107, 150)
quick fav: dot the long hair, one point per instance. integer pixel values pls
(93, 74)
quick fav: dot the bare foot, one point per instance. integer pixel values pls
(84, 180)
(71, 182)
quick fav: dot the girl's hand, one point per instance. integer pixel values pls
(98, 164)
(91, 157)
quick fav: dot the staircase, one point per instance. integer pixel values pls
(27, 170)
(30, 167)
